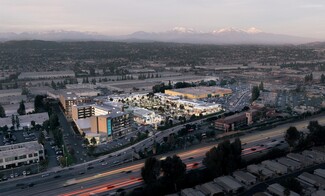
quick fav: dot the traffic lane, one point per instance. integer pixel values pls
(303, 124)
(198, 153)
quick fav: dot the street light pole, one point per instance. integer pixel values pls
(66, 161)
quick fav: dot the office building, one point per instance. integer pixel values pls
(20, 154)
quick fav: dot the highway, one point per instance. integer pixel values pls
(103, 179)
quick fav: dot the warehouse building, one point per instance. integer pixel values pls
(10, 92)
(318, 157)
(19, 154)
(46, 75)
(229, 184)
(260, 171)
(320, 172)
(289, 163)
(276, 167)
(199, 92)
(210, 188)
(277, 189)
(312, 179)
(245, 177)
(25, 120)
(191, 192)
(303, 160)
(11, 109)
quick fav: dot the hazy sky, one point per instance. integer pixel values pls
(294, 17)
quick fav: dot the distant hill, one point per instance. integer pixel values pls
(177, 35)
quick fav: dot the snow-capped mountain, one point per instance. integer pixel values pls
(177, 35)
(219, 36)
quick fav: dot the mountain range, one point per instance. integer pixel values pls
(177, 35)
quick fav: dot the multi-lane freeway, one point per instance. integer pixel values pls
(100, 178)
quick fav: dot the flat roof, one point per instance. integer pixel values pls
(19, 149)
(229, 181)
(23, 119)
(83, 123)
(202, 90)
(45, 73)
(244, 175)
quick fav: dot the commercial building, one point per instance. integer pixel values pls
(314, 180)
(144, 116)
(46, 75)
(20, 154)
(276, 167)
(10, 92)
(113, 125)
(11, 109)
(303, 160)
(317, 156)
(210, 188)
(229, 184)
(260, 171)
(199, 92)
(289, 163)
(319, 193)
(231, 123)
(277, 189)
(320, 172)
(198, 108)
(191, 192)
(68, 99)
(25, 120)
(105, 122)
(245, 177)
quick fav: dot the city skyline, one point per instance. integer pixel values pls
(299, 18)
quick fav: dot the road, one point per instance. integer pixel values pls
(103, 178)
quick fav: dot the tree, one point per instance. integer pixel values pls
(151, 170)
(25, 91)
(46, 125)
(322, 79)
(17, 122)
(173, 169)
(255, 93)
(54, 121)
(223, 159)
(38, 103)
(86, 142)
(33, 123)
(53, 85)
(13, 120)
(41, 138)
(2, 112)
(261, 86)
(93, 141)
(292, 136)
(21, 110)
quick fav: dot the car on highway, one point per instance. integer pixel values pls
(127, 172)
(45, 175)
(90, 167)
(105, 163)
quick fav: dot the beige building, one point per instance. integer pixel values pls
(20, 154)
(104, 122)
(199, 92)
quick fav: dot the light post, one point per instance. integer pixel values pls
(66, 161)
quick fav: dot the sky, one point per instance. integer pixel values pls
(304, 18)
